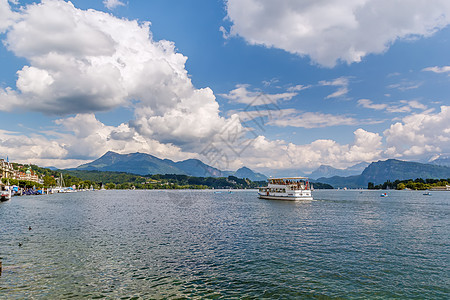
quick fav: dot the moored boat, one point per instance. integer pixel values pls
(287, 188)
(5, 192)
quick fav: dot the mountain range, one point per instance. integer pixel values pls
(146, 164)
(328, 171)
(357, 176)
(391, 169)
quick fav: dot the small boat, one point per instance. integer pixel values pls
(286, 188)
(384, 195)
(427, 194)
(5, 193)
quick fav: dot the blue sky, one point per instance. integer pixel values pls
(283, 87)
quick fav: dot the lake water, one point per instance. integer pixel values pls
(201, 244)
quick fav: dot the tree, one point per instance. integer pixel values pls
(110, 186)
(401, 186)
(49, 181)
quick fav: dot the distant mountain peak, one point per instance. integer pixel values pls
(146, 164)
(108, 153)
(244, 168)
(245, 172)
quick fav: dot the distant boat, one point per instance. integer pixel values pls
(427, 194)
(288, 188)
(384, 195)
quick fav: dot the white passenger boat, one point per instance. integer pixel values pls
(287, 188)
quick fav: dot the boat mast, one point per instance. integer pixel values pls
(61, 180)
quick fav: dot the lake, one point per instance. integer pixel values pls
(201, 244)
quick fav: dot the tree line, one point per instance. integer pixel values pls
(417, 184)
(83, 179)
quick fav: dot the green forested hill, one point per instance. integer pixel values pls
(391, 169)
(145, 164)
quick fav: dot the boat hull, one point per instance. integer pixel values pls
(286, 198)
(5, 197)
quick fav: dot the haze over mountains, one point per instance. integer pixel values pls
(145, 164)
(443, 160)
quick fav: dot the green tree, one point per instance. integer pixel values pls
(401, 186)
(110, 186)
(49, 181)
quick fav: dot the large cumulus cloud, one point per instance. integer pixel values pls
(279, 154)
(333, 30)
(419, 134)
(84, 61)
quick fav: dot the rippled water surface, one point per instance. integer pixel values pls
(187, 244)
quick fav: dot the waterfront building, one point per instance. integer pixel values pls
(29, 175)
(440, 188)
(7, 170)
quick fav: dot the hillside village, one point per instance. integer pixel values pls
(7, 171)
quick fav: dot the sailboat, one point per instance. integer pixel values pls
(60, 188)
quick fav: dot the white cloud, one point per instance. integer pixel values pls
(80, 139)
(436, 69)
(420, 134)
(298, 88)
(194, 119)
(83, 138)
(35, 148)
(406, 106)
(241, 94)
(295, 118)
(366, 103)
(88, 137)
(405, 85)
(270, 82)
(414, 104)
(342, 84)
(7, 17)
(279, 154)
(111, 4)
(402, 107)
(84, 61)
(333, 30)
(225, 33)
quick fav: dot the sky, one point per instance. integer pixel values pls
(278, 86)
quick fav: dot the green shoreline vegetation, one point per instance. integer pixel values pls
(417, 184)
(83, 179)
